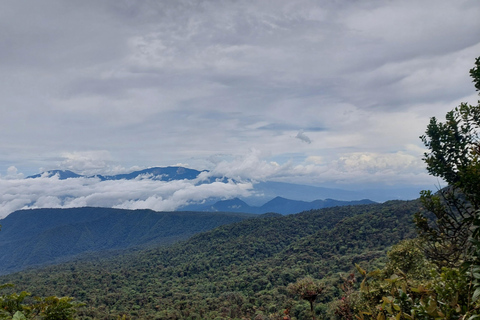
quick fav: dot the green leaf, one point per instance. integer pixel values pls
(19, 316)
(476, 294)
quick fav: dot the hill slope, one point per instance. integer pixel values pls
(236, 270)
(35, 237)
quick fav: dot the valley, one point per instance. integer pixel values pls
(233, 271)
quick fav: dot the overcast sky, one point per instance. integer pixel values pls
(316, 92)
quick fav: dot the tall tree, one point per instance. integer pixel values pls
(307, 289)
(453, 155)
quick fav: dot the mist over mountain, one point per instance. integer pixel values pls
(277, 205)
(178, 188)
(156, 173)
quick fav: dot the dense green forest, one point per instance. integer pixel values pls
(237, 270)
(44, 236)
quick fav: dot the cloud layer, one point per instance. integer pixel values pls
(50, 192)
(363, 170)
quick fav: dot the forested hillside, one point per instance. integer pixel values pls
(237, 270)
(42, 236)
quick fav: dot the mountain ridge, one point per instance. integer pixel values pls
(156, 173)
(278, 204)
(42, 236)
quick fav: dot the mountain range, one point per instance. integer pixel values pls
(156, 173)
(263, 191)
(277, 205)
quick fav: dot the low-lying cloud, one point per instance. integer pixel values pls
(45, 192)
(239, 176)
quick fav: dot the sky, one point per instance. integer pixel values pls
(325, 93)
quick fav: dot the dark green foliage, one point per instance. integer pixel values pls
(453, 150)
(307, 289)
(475, 74)
(33, 237)
(237, 270)
(444, 223)
(449, 217)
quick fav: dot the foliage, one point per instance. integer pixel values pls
(475, 74)
(42, 236)
(307, 289)
(235, 271)
(453, 155)
(419, 291)
(459, 165)
(15, 306)
(447, 220)
(53, 308)
(445, 226)
(343, 308)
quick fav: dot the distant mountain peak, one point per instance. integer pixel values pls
(155, 173)
(62, 174)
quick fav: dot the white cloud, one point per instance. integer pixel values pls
(86, 162)
(12, 173)
(50, 192)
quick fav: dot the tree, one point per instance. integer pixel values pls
(454, 146)
(453, 155)
(307, 289)
(450, 224)
(475, 73)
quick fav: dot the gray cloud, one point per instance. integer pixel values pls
(161, 82)
(303, 137)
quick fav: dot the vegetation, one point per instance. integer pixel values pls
(308, 289)
(41, 236)
(236, 271)
(18, 306)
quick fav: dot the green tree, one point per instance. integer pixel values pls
(450, 222)
(307, 289)
(475, 73)
(453, 155)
